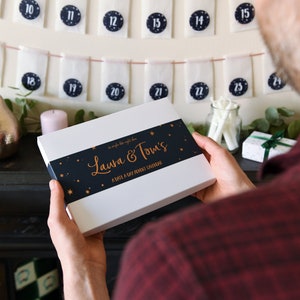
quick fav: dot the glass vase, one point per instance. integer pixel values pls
(224, 126)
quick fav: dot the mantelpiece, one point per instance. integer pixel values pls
(24, 203)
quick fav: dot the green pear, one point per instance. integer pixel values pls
(9, 131)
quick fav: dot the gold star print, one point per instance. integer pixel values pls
(152, 133)
(70, 192)
(94, 148)
(172, 125)
(60, 163)
(181, 149)
(61, 175)
(78, 160)
(88, 191)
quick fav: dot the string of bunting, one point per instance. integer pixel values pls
(157, 17)
(114, 19)
(133, 62)
(158, 76)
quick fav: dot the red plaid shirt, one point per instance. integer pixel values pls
(243, 247)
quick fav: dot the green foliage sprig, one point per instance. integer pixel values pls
(21, 105)
(275, 119)
(80, 116)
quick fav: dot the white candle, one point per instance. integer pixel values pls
(52, 120)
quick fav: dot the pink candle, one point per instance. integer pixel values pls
(52, 120)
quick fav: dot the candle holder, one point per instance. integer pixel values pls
(223, 124)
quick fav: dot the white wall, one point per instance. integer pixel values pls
(179, 48)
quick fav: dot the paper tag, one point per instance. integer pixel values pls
(242, 15)
(32, 69)
(158, 80)
(71, 15)
(114, 18)
(238, 76)
(115, 81)
(157, 18)
(199, 18)
(199, 80)
(30, 12)
(272, 83)
(73, 79)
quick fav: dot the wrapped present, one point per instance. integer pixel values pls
(261, 146)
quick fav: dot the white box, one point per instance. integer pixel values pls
(252, 147)
(126, 164)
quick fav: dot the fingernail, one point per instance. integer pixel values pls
(52, 184)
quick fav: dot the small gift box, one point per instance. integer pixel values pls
(261, 146)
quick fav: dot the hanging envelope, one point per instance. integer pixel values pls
(114, 18)
(32, 69)
(30, 12)
(157, 18)
(73, 79)
(199, 18)
(158, 80)
(242, 15)
(71, 15)
(115, 81)
(272, 82)
(238, 76)
(2, 51)
(199, 80)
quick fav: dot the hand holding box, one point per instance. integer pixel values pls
(126, 164)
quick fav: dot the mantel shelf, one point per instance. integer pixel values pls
(24, 203)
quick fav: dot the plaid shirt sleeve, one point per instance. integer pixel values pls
(243, 247)
(156, 269)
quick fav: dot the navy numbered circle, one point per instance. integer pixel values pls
(115, 91)
(199, 91)
(275, 82)
(245, 13)
(70, 15)
(29, 9)
(113, 21)
(72, 87)
(31, 81)
(157, 23)
(238, 87)
(158, 91)
(199, 20)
